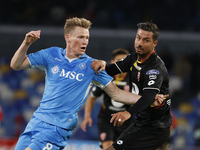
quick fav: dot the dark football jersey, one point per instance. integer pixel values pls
(150, 74)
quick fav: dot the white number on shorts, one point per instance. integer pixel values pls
(48, 146)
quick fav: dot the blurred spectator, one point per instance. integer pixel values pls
(196, 132)
(1, 114)
(182, 68)
(180, 80)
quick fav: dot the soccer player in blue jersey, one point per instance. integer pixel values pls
(68, 80)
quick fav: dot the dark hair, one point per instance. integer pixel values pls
(119, 51)
(149, 26)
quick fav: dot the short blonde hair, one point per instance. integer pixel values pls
(71, 23)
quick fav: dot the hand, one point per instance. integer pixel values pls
(98, 65)
(85, 122)
(32, 36)
(123, 116)
(159, 99)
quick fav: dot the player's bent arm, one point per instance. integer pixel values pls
(119, 95)
(148, 97)
(19, 60)
(88, 109)
(89, 105)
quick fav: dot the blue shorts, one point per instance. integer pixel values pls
(39, 135)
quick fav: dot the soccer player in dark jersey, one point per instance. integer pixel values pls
(107, 132)
(149, 76)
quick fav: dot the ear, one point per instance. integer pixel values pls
(67, 37)
(112, 61)
(155, 43)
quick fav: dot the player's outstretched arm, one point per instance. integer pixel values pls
(126, 97)
(120, 117)
(87, 116)
(19, 60)
(119, 95)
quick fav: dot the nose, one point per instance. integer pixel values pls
(85, 40)
(139, 42)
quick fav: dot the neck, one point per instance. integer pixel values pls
(142, 58)
(71, 54)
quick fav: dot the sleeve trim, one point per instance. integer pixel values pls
(30, 62)
(118, 68)
(107, 83)
(150, 88)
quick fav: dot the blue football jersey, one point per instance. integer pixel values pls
(67, 85)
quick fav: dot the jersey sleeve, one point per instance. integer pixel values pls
(37, 60)
(145, 101)
(102, 79)
(153, 79)
(119, 67)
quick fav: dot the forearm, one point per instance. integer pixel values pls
(19, 57)
(145, 101)
(121, 95)
(112, 70)
(88, 106)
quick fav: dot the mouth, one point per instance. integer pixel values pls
(83, 48)
(139, 49)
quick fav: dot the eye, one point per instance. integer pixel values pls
(138, 38)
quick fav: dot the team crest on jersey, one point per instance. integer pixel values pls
(82, 66)
(152, 71)
(55, 69)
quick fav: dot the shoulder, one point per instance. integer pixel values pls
(132, 56)
(160, 65)
(156, 66)
(53, 51)
(87, 58)
(155, 61)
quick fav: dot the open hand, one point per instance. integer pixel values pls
(119, 118)
(85, 122)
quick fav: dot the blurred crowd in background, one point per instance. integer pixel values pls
(168, 14)
(21, 91)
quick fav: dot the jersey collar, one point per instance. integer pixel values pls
(153, 53)
(63, 52)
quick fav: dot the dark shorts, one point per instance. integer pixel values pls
(108, 132)
(135, 138)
